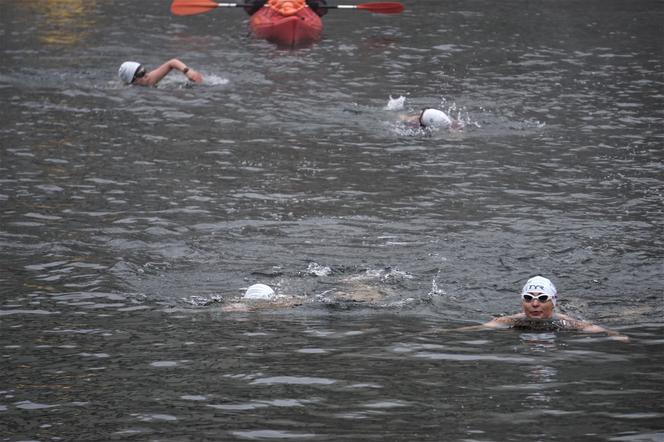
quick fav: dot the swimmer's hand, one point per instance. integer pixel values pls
(458, 125)
(614, 336)
(620, 338)
(194, 76)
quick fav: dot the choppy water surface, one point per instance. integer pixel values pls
(131, 218)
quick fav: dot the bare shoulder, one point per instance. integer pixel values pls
(571, 323)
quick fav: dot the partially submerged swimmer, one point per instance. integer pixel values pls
(434, 118)
(262, 296)
(132, 72)
(538, 301)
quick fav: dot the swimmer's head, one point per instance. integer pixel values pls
(259, 292)
(434, 118)
(128, 71)
(538, 285)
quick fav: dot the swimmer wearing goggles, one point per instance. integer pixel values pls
(538, 302)
(132, 72)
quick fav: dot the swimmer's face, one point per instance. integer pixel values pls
(535, 309)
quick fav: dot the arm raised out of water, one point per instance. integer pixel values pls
(132, 72)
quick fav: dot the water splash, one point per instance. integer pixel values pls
(435, 288)
(201, 301)
(396, 103)
(386, 275)
(215, 80)
(460, 116)
(315, 269)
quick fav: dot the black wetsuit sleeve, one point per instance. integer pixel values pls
(315, 6)
(253, 5)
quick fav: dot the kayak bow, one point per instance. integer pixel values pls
(287, 23)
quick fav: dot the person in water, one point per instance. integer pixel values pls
(263, 297)
(433, 118)
(318, 6)
(538, 301)
(132, 72)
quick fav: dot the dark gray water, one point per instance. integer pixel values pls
(132, 217)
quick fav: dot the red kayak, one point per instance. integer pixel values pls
(287, 23)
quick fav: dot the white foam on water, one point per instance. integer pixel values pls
(315, 269)
(214, 80)
(396, 103)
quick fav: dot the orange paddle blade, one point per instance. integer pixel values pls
(383, 8)
(192, 7)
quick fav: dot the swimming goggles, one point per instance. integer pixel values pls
(541, 298)
(140, 73)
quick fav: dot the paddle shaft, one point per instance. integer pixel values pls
(368, 6)
(377, 7)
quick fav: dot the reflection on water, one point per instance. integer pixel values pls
(62, 22)
(336, 375)
(541, 381)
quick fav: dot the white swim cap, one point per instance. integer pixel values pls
(127, 71)
(539, 284)
(434, 118)
(259, 291)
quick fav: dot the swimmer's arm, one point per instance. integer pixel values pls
(235, 307)
(410, 118)
(588, 327)
(261, 305)
(612, 334)
(156, 75)
(495, 323)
